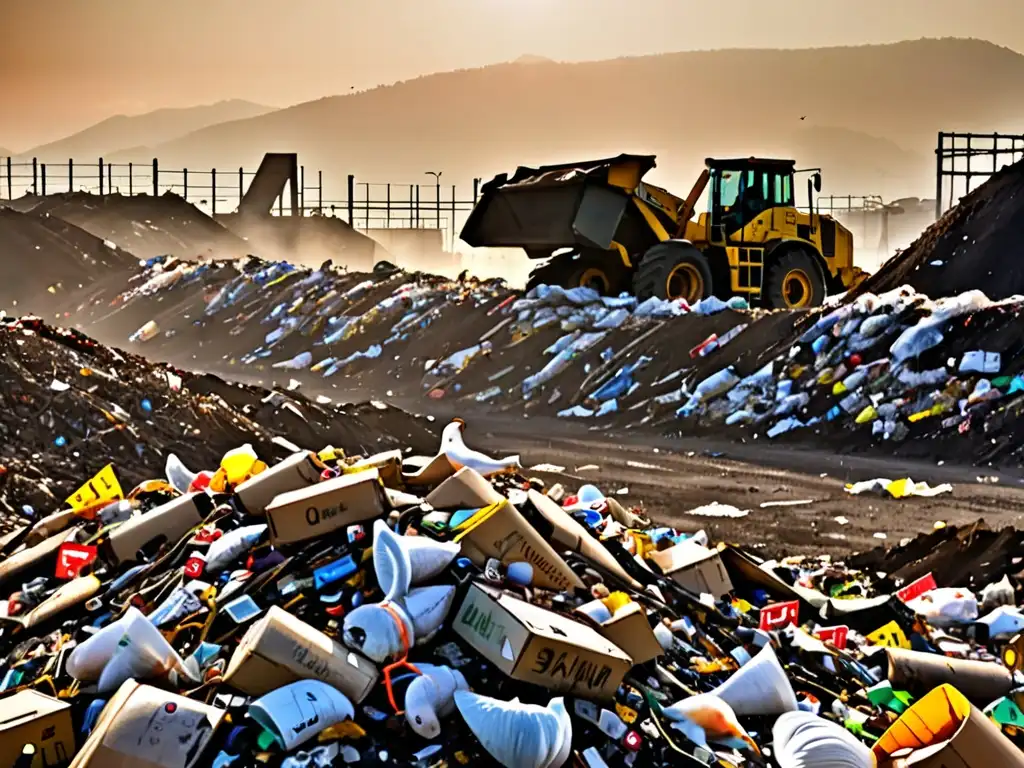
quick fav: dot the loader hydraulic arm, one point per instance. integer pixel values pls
(686, 208)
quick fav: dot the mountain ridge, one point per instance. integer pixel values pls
(873, 110)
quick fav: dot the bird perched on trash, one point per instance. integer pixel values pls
(705, 718)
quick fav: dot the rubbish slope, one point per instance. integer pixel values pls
(70, 405)
(141, 224)
(45, 258)
(974, 246)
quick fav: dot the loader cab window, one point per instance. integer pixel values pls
(783, 184)
(726, 190)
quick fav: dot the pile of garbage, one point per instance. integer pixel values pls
(70, 405)
(445, 610)
(410, 334)
(45, 258)
(894, 368)
(144, 225)
(972, 247)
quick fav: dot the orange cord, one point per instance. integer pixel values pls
(403, 633)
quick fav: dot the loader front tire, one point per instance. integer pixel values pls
(601, 271)
(674, 269)
(794, 281)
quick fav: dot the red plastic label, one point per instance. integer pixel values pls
(194, 567)
(72, 558)
(834, 635)
(917, 588)
(779, 615)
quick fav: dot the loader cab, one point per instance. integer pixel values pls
(741, 190)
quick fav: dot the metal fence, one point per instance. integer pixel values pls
(965, 160)
(365, 205)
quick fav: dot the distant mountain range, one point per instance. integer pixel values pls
(120, 133)
(867, 115)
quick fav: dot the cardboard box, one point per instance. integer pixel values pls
(538, 646)
(327, 506)
(500, 531)
(697, 568)
(300, 470)
(145, 727)
(281, 648)
(466, 489)
(172, 520)
(630, 630)
(31, 717)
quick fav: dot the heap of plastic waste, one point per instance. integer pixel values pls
(447, 610)
(894, 364)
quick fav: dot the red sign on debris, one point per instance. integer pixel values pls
(834, 635)
(71, 558)
(779, 615)
(195, 565)
(917, 588)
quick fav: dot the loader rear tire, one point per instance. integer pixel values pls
(674, 269)
(794, 281)
(598, 270)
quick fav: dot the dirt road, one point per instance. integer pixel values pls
(670, 475)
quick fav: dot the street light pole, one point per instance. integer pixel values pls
(437, 196)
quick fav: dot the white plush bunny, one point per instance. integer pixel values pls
(406, 616)
(430, 697)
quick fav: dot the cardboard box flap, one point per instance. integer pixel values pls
(435, 471)
(500, 531)
(281, 648)
(570, 534)
(32, 717)
(695, 567)
(388, 464)
(631, 631)
(466, 489)
(297, 471)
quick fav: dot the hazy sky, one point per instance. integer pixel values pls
(65, 64)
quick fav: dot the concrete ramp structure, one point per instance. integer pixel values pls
(307, 240)
(276, 169)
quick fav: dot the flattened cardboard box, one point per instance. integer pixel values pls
(144, 727)
(500, 531)
(311, 512)
(539, 646)
(697, 568)
(281, 648)
(31, 717)
(300, 470)
(172, 520)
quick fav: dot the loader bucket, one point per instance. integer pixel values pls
(553, 207)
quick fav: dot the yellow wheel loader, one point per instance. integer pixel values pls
(598, 224)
